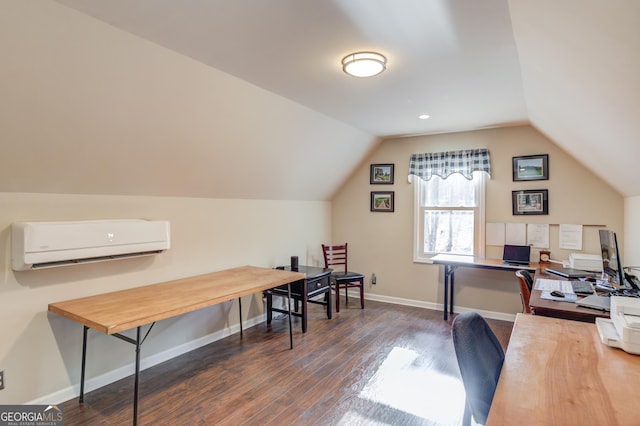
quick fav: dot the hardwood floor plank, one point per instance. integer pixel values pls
(361, 367)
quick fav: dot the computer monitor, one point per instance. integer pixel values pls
(611, 262)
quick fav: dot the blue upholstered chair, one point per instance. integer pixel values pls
(480, 357)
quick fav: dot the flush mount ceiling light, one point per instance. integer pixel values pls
(364, 64)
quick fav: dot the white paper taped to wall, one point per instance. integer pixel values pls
(495, 234)
(570, 237)
(516, 234)
(538, 235)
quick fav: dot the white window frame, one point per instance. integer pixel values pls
(419, 256)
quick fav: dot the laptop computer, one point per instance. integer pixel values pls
(516, 255)
(569, 272)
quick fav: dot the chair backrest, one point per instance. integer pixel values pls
(526, 284)
(480, 357)
(335, 256)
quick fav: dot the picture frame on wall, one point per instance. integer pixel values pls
(381, 174)
(532, 201)
(382, 201)
(531, 167)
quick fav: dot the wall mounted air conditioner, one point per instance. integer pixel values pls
(37, 245)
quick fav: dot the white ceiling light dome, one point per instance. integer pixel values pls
(364, 64)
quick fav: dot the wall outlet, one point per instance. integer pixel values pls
(1, 379)
(373, 279)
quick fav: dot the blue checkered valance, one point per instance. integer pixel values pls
(444, 164)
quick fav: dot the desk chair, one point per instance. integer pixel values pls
(526, 284)
(335, 257)
(480, 357)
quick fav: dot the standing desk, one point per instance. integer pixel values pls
(557, 372)
(112, 313)
(452, 261)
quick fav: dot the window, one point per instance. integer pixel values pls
(449, 216)
(449, 190)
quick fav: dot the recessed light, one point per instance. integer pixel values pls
(423, 116)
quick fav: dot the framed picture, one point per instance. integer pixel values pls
(382, 201)
(531, 167)
(381, 174)
(534, 201)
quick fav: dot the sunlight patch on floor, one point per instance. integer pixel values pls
(402, 385)
(352, 418)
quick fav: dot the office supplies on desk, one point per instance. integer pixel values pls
(623, 329)
(569, 272)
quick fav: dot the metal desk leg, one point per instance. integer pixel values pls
(305, 296)
(240, 310)
(84, 363)
(137, 380)
(451, 285)
(449, 271)
(289, 309)
(446, 292)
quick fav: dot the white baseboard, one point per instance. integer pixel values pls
(147, 362)
(434, 306)
(155, 359)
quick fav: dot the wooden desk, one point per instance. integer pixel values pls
(111, 313)
(451, 262)
(565, 310)
(557, 372)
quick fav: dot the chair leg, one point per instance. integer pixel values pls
(337, 297)
(362, 294)
(466, 416)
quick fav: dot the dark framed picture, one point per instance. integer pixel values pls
(381, 174)
(533, 201)
(531, 167)
(382, 201)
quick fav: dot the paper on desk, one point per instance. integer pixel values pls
(550, 285)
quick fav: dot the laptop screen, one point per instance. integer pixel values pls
(516, 254)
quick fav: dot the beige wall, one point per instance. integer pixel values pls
(86, 108)
(89, 109)
(40, 352)
(381, 243)
(632, 233)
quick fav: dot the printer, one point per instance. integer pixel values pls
(588, 262)
(623, 329)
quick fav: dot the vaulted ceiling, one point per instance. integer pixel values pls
(570, 68)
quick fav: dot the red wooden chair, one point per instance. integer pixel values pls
(335, 257)
(526, 284)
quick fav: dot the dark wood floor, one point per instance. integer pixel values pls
(386, 364)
